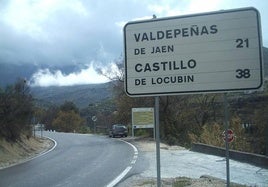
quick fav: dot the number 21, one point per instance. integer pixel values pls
(242, 43)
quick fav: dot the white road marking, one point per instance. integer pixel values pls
(124, 173)
(43, 153)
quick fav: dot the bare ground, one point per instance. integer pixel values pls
(23, 150)
(147, 145)
(204, 181)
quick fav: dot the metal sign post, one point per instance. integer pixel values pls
(94, 119)
(42, 130)
(226, 122)
(157, 138)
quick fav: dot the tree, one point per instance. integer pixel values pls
(69, 106)
(16, 110)
(211, 134)
(49, 116)
(104, 111)
(68, 121)
(115, 72)
(259, 138)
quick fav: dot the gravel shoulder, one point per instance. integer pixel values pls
(23, 150)
(172, 172)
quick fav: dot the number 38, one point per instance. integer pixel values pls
(242, 73)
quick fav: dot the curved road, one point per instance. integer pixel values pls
(77, 160)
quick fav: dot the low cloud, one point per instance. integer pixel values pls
(47, 77)
(59, 32)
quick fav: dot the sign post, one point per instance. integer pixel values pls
(157, 136)
(226, 122)
(215, 52)
(94, 119)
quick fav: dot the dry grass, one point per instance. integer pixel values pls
(205, 181)
(20, 151)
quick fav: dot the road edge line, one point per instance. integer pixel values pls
(128, 168)
(47, 151)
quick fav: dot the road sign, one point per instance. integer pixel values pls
(211, 52)
(94, 118)
(143, 118)
(230, 136)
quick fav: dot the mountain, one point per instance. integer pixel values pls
(81, 95)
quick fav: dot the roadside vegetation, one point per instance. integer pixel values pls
(200, 118)
(64, 118)
(16, 109)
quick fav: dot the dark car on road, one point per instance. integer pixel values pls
(118, 130)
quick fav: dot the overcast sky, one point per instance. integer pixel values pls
(87, 33)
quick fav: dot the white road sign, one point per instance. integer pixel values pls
(143, 118)
(212, 52)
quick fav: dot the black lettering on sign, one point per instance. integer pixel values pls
(242, 43)
(139, 51)
(163, 49)
(166, 66)
(172, 79)
(192, 31)
(140, 82)
(242, 73)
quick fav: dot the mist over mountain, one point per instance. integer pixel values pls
(81, 95)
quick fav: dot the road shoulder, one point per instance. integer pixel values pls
(148, 177)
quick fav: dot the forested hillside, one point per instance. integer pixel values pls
(81, 95)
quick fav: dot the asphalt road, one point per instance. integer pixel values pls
(77, 160)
